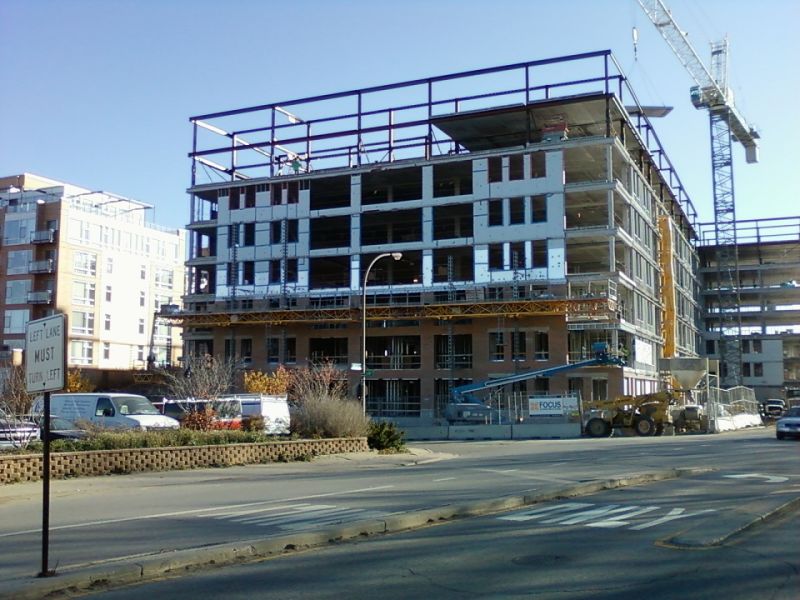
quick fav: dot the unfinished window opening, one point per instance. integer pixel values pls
(394, 352)
(495, 213)
(276, 194)
(275, 271)
(233, 199)
(538, 163)
(248, 272)
(205, 243)
(455, 356)
(321, 350)
(453, 264)
(330, 232)
(394, 185)
(495, 257)
(276, 232)
(380, 227)
(539, 208)
(587, 257)
(497, 347)
(517, 255)
(586, 209)
(516, 211)
(205, 281)
(293, 192)
(515, 167)
(408, 270)
(250, 196)
(495, 169)
(394, 398)
(292, 228)
(453, 221)
(539, 254)
(329, 272)
(518, 346)
(541, 345)
(452, 179)
(382, 272)
(331, 192)
(291, 270)
(585, 163)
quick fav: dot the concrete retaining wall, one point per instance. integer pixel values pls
(521, 431)
(28, 467)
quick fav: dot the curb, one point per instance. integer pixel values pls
(155, 566)
(694, 538)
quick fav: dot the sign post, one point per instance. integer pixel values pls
(45, 372)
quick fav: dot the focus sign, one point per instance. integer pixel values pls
(44, 354)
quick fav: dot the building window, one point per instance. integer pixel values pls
(106, 350)
(518, 350)
(541, 345)
(140, 353)
(82, 322)
(495, 257)
(108, 293)
(539, 254)
(291, 270)
(497, 349)
(745, 369)
(757, 347)
(85, 263)
(246, 348)
(107, 322)
(517, 255)
(141, 325)
(292, 231)
(142, 298)
(83, 292)
(599, 389)
(516, 210)
(17, 291)
(538, 209)
(273, 350)
(538, 165)
(18, 261)
(14, 321)
(495, 213)
(758, 369)
(248, 272)
(109, 265)
(143, 272)
(164, 278)
(276, 232)
(81, 352)
(291, 351)
(275, 271)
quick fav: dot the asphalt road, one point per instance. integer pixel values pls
(98, 519)
(651, 541)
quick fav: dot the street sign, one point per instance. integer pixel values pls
(44, 354)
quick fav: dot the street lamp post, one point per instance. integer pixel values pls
(396, 256)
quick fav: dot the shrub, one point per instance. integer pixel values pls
(322, 417)
(277, 383)
(253, 423)
(385, 436)
(322, 407)
(199, 420)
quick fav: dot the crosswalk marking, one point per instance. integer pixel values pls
(608, 516)
(294, 517)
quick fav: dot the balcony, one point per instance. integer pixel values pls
(42, 266)
(45, 297)
(46, 236)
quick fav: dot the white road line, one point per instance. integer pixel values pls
(617, 520)
(181, 513)
(675, 513)
(239, 513)
(545, 511)
(444, 479)
(500, 471)
(310, 512)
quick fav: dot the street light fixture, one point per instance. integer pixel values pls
(396, 256)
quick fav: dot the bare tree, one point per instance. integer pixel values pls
(203, 378)
(15, 400)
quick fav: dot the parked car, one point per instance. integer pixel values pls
(62, 429)
(773, 408)
(127, 411)
(17, 433)
(789, 424)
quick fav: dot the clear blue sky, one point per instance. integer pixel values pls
(98, 93)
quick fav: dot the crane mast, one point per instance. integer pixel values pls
(726, 125)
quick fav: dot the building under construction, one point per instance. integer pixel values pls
(533, 204)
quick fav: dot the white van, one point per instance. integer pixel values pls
(274, 409)
(124, 411)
